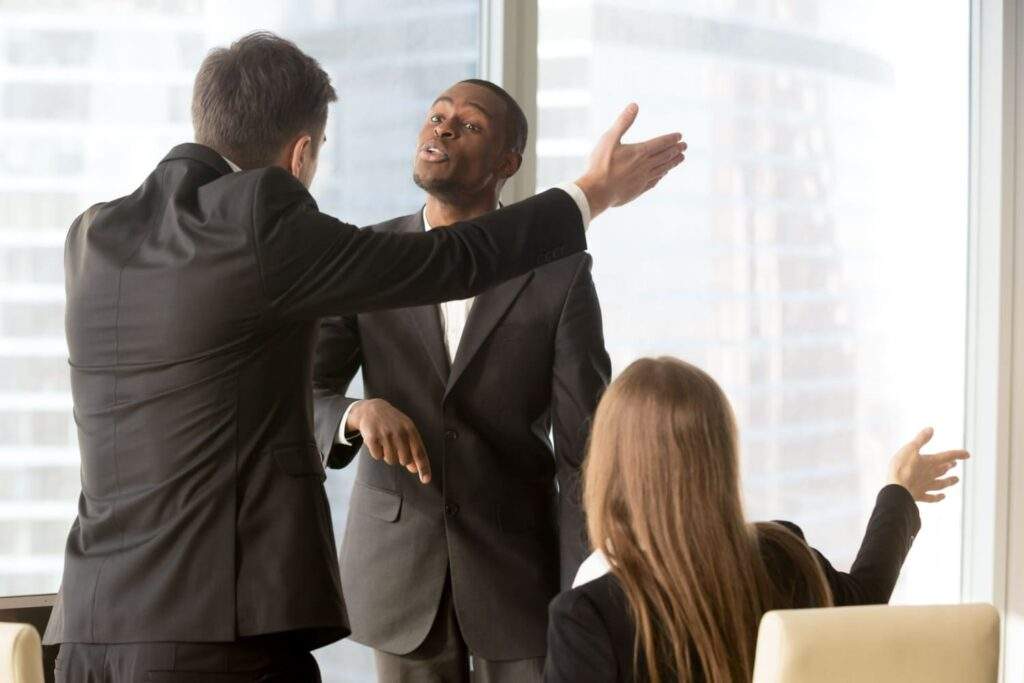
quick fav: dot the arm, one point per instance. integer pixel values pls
(581, 372)
(579, 647)
(338, 357)
(894, 523)
(890, 532)
(312, 265)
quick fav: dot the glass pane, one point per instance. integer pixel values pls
(811, 252)
(92, 95)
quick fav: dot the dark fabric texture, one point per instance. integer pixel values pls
(192, 316)
(502, 512)
(260, 660)
(443, 657)
(591, 634)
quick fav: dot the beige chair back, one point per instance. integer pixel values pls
(21, 654)
(879, 644)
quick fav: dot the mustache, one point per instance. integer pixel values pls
(433, 146)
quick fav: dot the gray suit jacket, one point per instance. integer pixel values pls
(502, 513)
(192, 314)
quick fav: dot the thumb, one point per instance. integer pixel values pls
(923, 437)
(624, 121)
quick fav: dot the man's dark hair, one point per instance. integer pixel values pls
(251, 99)
(516, 127)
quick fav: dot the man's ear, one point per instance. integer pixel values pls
(509, 164)
(302, 155)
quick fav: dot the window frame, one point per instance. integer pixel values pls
(993, 526)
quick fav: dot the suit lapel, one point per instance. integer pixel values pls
(426, 319)
(487, 311)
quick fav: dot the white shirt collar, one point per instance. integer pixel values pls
(234, 167)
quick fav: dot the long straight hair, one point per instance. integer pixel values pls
(662, 495)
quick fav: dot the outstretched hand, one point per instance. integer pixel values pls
(618, 172)
(922, 473)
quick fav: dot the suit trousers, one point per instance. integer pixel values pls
(265, 659)
(443, 657)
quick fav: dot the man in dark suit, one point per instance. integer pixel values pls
(203, 543)
(479, 551)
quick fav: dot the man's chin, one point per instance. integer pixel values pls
(431, 184)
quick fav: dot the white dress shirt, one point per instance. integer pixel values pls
(594, 567)
(233, 165)
(455, 313)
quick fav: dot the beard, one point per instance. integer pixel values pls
(445, 189)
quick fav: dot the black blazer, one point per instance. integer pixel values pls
(531, 361)
(192, 315)
(590, 637)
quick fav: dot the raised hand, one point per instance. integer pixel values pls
(921, 473)
(618, 173)
(389, 435)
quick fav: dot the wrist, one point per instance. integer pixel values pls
(352, 418)
(597, 197)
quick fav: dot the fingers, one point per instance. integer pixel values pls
(923, 437)
(931, 498)
(663, 168)
(390, 451)
(660, 144)
(940, 484)
(666, 155)
(374, 446)
(418, 451)
(624, 122)
(948, 457)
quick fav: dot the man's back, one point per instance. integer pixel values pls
(195, 460)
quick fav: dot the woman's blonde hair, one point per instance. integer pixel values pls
(662, 495)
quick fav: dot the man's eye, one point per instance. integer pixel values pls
(473, 127)
(435, 118)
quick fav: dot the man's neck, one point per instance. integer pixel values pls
(441, 212)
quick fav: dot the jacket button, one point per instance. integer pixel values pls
(451, 434)
(451, 509)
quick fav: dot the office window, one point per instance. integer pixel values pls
(92, 95)
(811, 254)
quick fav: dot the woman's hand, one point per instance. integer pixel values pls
(920, 473)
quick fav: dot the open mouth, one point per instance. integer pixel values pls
(432, 152)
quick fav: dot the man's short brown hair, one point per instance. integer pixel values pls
(252, 98)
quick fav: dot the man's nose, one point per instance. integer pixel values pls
(443, 131)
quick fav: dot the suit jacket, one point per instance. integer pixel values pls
(591, 634)
(502, 512)
(192, 314)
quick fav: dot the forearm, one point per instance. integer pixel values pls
(890, 533)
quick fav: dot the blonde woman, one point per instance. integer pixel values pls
(689, 576)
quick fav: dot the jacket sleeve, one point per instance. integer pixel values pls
(891, 529)
(579, 645)
(312, 265)
(581, 371)
(338, 358)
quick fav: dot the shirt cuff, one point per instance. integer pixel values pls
(578, 196)
(344, 421)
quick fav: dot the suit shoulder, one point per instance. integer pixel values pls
(399, 224)
(590, 600)
(565, 269)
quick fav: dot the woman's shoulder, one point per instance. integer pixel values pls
(595, 595)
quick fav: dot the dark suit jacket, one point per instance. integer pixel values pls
(531, 360)
(192, 314)
(591, 634)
